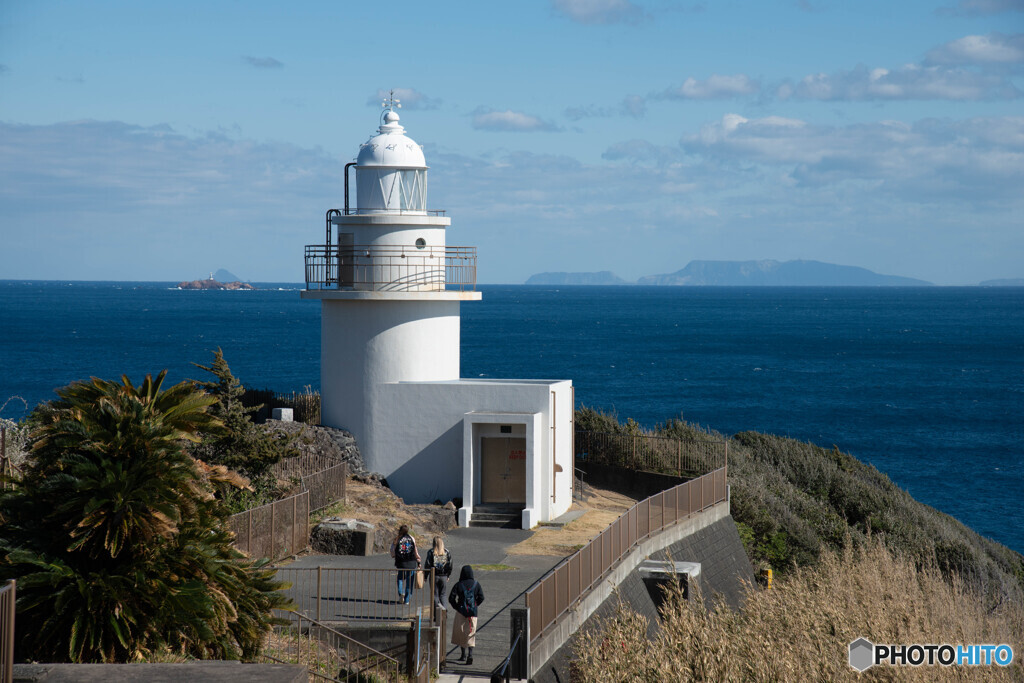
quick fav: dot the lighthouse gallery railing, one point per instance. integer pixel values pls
(386, 268)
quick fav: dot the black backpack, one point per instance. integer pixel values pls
(441, 563)
(469, 598)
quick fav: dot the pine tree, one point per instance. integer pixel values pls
(242, 445)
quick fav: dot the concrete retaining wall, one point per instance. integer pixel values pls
(709, 538)
(186, 672)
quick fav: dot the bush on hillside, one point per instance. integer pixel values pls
(817, 496)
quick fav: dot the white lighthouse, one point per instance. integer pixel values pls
(390, 290)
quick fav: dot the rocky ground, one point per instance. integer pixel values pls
(368, 499)
(326, 442)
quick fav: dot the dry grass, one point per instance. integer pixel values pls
(322, 660)
(601, 509)
(801, 629)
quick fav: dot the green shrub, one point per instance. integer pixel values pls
(119, 547)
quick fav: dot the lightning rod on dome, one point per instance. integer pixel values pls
(391, 103)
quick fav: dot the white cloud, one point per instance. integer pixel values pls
(599, 11)
(633, 106)
(137, 202)
(485, 118)
(910, 82)
(129, 202)
(972, 161)
(641, 151)
(263, 62)
(994, 48)
(715, 87)
(410, 98)
(588, 111)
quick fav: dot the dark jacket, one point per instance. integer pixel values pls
(442, 565)
(467, 594)
(409, 563)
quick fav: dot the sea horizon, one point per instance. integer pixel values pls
(925, 383)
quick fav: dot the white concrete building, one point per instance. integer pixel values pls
(390, 290)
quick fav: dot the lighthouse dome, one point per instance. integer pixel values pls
(391, 173)
(391, 147)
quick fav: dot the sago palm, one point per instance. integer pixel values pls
(115, 537)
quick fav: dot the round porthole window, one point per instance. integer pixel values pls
(420, 243)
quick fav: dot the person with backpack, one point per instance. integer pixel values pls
(407, 559)
(465, 597)
(440, 560)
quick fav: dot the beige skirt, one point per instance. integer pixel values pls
(464, 631)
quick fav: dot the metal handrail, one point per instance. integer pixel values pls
(323, 650)
(681, 457)
(579, 475)
(397, 212)
(281, 527)
(564, 586)
(8, 597)
(363, 267)
(345, 594)
(503, 672)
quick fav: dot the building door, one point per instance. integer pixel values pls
(346, 259)
(503, 470)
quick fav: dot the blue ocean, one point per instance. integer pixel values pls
(927, 384)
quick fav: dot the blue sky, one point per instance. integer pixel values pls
(162, 141)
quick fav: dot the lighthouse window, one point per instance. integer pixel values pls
(413, 189)
(420, 243)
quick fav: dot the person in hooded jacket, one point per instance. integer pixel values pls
(465, 597)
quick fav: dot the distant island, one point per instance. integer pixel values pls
(605, 277)
(1003, 282)
(213, 283)
(765, 273)
(778, 274)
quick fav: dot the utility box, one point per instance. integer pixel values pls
(658, 576)
(283, 414)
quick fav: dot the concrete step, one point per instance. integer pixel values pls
(495, 523)
(496, 517)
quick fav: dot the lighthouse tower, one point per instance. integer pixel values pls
(389, 286)
(390, 289)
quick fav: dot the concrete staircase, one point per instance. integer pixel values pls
(497, 516)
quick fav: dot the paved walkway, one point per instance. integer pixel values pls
(503, 589)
